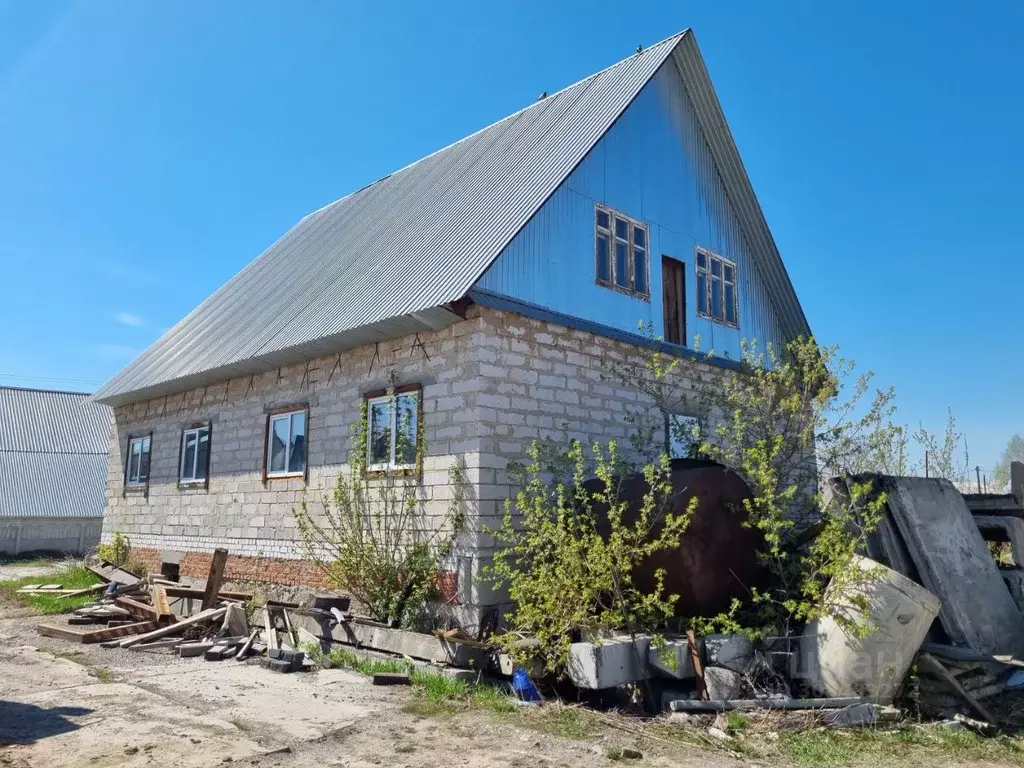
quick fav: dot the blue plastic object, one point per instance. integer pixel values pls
(523, 686)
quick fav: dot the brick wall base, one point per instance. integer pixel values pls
(269, 570)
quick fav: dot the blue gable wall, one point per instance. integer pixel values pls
(653, 165)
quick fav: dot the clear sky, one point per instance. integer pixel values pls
(148, 150)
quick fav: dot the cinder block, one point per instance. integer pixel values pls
(608, 663)
(673, 660)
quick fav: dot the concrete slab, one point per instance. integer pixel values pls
(608, 663)
(673, 660)
(722, 683)
(734, 652)
(951, 557)
(398, 641)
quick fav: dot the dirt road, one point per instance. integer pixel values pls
(71, 706)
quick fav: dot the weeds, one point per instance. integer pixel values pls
(75, 656)
(103, 674)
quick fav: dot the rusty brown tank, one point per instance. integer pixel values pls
(717, 557)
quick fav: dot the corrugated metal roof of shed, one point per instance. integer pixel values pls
(52, 484)
(44, 421)
(412, 241)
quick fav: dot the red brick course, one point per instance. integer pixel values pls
(298, 573)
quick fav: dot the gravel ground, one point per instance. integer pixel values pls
(64, 705)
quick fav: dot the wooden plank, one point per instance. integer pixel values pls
(109, 572)
(930, 665)
(111, 633)
(211, 615)
(698, 666)
(136, 608)
(87, 590)
(64, 633)
(160, 603)
(247, 645)
(288, 627)
(214, 578)
(173, 642)
(268, 624)
(955, 565)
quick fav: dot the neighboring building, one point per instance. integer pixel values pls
(485, 284)
(53, 470)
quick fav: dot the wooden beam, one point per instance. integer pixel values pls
(136, 608)
(247, 645)
(211, 615)
(159, 597)
(698, 667)
(268, 624)
(214, 579)
(932, 666)
(94, 635)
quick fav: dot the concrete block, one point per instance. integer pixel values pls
(861, 714)
(187, 650)
(673, 660)
(608, 663)
(722, 683)
(734, 652)
(279, 665)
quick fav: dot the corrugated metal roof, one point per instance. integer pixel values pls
(53, 453)
(52, 484)
(42, 421)
(406, 244)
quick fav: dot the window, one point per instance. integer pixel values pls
(392, 430)
(716, 288)
(286, 444)
(622, 245)
(683, 436)
(195, 455)
(137, 468)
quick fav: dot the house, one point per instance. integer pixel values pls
(483, 286)
(53, 470)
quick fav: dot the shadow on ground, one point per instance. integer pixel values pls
(27, 723)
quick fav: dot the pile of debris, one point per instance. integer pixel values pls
(156, 614)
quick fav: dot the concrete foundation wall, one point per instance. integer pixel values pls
(53, 534)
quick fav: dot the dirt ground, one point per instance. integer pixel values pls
(64, 705)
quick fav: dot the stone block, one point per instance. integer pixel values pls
(608, 663)
(733, 652)
(673, 660)
(722, 683)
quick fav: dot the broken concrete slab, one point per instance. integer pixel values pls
(734, 652)
(608, 663)
(722, 683)
(839, 662)
(398, 641)
(954, 563)
(235, 623)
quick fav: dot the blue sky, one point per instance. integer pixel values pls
(149, 150)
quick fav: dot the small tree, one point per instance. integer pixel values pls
(943, 455)
(372, 537)
(567, 553)
(1014, 452)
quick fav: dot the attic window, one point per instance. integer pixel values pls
(622, 248)
(716, 288)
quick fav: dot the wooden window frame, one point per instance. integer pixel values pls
(631, 248)
(136, 487)
(204, 483)
(269, 415)
(416, 468)
(706, 273)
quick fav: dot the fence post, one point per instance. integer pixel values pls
(1017, 480)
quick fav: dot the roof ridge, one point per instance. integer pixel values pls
(44, 390)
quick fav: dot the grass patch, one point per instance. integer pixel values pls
(75, 656)
(870, 747)
(404, 749)
(103, 674)
(77, 577)
(613, 753)
(737, 722)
